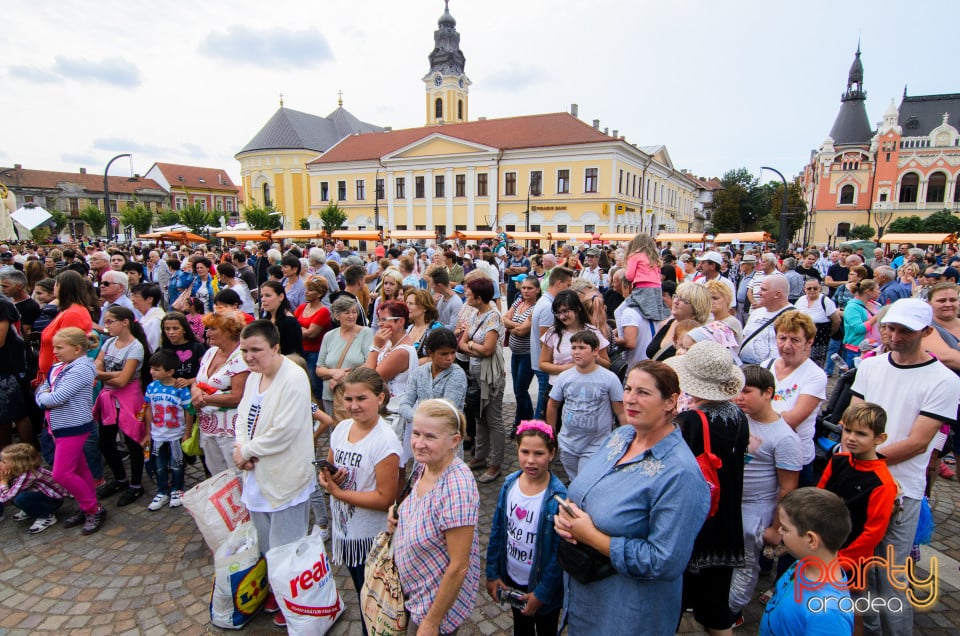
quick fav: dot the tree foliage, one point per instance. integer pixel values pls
(263, 218)
(862, 232)
(167, 217)
(195, 217)
(909, 224)
(304, 224)
(138, 216)
(94, 218)
(332, 218)
(60, 220)
(743, 204)
(942, 221)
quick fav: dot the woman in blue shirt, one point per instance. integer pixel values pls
(638, 503)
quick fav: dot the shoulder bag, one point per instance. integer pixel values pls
(709, 463)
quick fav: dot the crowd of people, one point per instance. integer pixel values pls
(666, 458)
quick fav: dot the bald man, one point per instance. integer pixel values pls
(759, 337)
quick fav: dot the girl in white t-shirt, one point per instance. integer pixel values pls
(569, 318)
(366, 454)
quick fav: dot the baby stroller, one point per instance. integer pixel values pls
(826, 436)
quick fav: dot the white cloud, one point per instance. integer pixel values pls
(268, 47)
(35, 75)
(114, 70)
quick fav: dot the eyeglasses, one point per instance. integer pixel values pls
(106, 283)
(109, 321)
(390, 318)
(677, 299)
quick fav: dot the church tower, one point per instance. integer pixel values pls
(852, 126)
(447, 86)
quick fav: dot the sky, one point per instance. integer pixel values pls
(722, 83)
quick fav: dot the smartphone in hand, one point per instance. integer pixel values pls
(565, 505)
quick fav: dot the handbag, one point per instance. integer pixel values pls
(192, 446)
(583, 563)
(381, 598)
(709, 463)
(182, 303)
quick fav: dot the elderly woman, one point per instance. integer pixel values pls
(342, 349)
(423, 318)
(801, 384)
(219, 385)
(627, 504)
(274, 445)
(436, 545)
(690, 302)
(480, 340)
(709, 376)
(314, 321)
(823, 311)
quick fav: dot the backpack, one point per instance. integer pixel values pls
(709, 463)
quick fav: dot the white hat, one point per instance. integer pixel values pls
(912, 313)
(713, 257)
(708, 372)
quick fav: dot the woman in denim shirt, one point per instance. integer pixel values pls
(640, 501)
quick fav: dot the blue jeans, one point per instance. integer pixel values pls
(522, 373)
(543, 382)
(91, 450)
(36, 504)
(167, 464)
(834, 347)
(316, 384)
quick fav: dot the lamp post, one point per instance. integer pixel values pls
(106, 194)
(784, 239)
(376, 200)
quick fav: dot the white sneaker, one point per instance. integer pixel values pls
(20, 516)
(176, 499)
(41, 524)
(158, 502)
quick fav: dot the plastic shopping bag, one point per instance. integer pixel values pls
(303, 585)
(240, 579)
(216, 507)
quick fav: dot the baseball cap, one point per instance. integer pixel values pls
(912, 313)
(516, 246)
(711, 256)
(467, 256)
(934, 272)
(593, 252)
(458, 289)
(749, 258)
(6, 255)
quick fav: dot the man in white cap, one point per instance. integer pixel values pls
(709, 265)
(919, 394)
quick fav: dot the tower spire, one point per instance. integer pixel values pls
(852, 125)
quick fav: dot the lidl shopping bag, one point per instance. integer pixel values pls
(240, 579)
(303, 585)
(216, 508)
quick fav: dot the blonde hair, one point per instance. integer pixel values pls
(716, 287)
(446, 412)
(645, 245)
(864, 285)
(392, 272)
(22, 457)
(699, 299)
(76, 337)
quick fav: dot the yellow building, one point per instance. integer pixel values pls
(273, 163)
(549, 173)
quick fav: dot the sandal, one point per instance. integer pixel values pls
(477, 464)
(488, 476)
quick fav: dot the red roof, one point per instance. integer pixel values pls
(195, 177)
(18, 178)
(530, 131)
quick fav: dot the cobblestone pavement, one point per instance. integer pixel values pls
(151, 573)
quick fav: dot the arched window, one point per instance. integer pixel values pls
(460, 109)
(266, 195)
(438, 108)
(843, 229)
(908, 187)
(846, 195)
(956, 191)
(936, 187)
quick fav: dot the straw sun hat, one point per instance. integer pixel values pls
(708, 372)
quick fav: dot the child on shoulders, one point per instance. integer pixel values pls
(643, 272)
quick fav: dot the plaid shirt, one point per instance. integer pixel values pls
(420, 547)
(40, 480)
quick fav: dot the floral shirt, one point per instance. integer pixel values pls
(215, 420)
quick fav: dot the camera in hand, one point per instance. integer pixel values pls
(513, 598)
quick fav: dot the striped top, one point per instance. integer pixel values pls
(68, 394)
(39, 479)
(520, 344)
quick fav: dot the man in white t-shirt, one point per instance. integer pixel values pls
(759, 336)
(709, 265)
(768, 267)
(919, 394)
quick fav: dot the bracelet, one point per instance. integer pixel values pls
(375, 349)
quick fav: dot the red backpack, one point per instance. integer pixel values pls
(709, 463)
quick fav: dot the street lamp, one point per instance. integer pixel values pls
(784, 239)
(106, 194)
(376, 200)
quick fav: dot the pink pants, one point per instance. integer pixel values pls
(70, 470)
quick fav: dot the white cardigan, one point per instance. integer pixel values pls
(283, 439)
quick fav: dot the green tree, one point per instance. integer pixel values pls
(40, 234)
(332, 218)
(139, 216)
(60, 220)
(94, 218)
(772, 199)
(740, 203)
(195, 217)
(304, 224)
(862, 232)
(909, 224)
(263, 218)
(167, 217)
(942, 221)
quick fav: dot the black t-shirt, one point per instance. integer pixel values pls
(813, 272)
(12, 359)
(837, 273)
(189, 354)
(29, 311)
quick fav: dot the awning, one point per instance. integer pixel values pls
(412, 235)
(616, 237)
(582, 237)
(689, 237)
(178, 237)
(464, 235)
(526, 236)
(743, 237)
(299, 235)
(357, 235)
(245, 235)
(919, 239)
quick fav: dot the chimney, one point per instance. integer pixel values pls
(18, 166)
(83, 171)
(481, 119)
(574, 110)
(606, 131)
(596, 124)
(615, 131)
(388, 129)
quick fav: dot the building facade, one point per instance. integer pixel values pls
(210, 188)
(909, 165)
